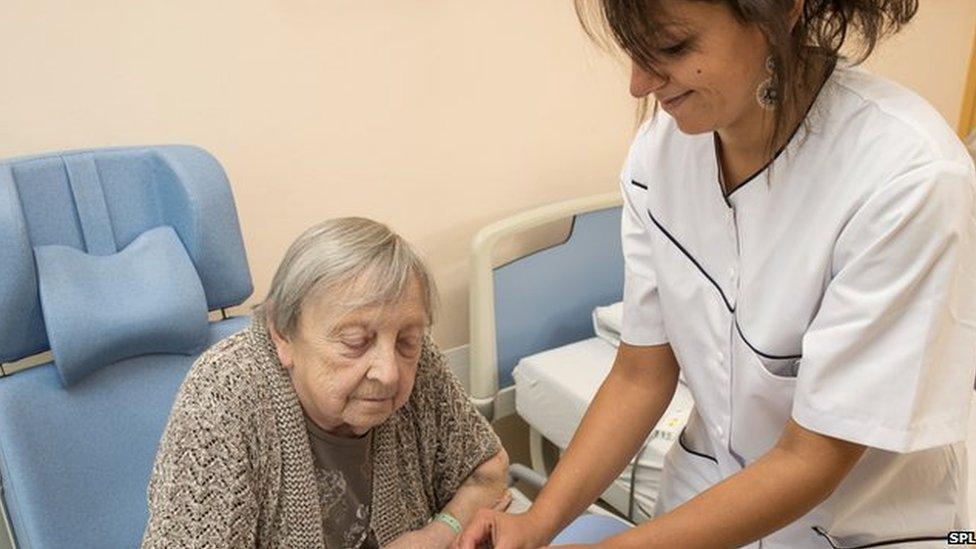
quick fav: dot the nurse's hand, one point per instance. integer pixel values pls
(491, 529)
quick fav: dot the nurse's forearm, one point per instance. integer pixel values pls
(801, 471)
(624, 410)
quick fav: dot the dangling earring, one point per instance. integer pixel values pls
(766, 94)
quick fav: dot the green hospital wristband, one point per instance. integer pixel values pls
(448, 520)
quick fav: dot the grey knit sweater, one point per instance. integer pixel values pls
(235, 467)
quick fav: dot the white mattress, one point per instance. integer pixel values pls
(553, 389)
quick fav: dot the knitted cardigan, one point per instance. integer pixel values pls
(235, 468)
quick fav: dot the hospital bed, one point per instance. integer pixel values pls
(122, 262)
(543, 333)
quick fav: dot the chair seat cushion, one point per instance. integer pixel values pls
(99, 309)
(591, 529)
(75, 461)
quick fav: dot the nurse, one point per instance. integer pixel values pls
(799, 243)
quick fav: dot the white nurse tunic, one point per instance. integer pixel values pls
(838, 287)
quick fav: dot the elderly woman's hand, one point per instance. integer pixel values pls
(437, 534)
(494, 529)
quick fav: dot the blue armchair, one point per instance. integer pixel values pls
(112, 259)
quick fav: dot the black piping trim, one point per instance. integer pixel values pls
(681, 442)
(830, 72)
(644, 510)
(725, 299)
(691, 258)
(823, 534)
(757, 351)
(755, 174)
(636, 184)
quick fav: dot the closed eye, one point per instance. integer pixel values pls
(675, 50)
(408, 347)
(357, 345)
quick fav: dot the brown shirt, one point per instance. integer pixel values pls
(344, 467)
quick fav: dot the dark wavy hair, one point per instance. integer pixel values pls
(823, 29)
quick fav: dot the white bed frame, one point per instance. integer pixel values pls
(492, 401)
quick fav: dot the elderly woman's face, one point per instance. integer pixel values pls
(709, 69)
(351, 373)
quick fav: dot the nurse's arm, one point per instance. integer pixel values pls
(797, 474)
(628, 404)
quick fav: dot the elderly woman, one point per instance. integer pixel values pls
(333, 420)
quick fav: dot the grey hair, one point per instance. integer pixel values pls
(339, 252)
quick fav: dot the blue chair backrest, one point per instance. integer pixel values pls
(98, 201)
(76, 454)
(545, 299)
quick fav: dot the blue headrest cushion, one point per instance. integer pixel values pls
(99, 201)
(146, 299)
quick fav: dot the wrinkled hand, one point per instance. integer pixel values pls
(503, 502)
(492, 529)
(437, 534)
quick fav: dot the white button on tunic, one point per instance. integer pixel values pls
(837, 288)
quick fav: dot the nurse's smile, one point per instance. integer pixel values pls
(672, 103)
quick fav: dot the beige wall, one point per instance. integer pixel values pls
(437, 117)
(932, 55)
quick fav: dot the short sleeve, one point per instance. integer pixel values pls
(888, 360)
(642, 320)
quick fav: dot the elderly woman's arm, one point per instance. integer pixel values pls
(201, 493)
(486, 487)
(468, 464)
